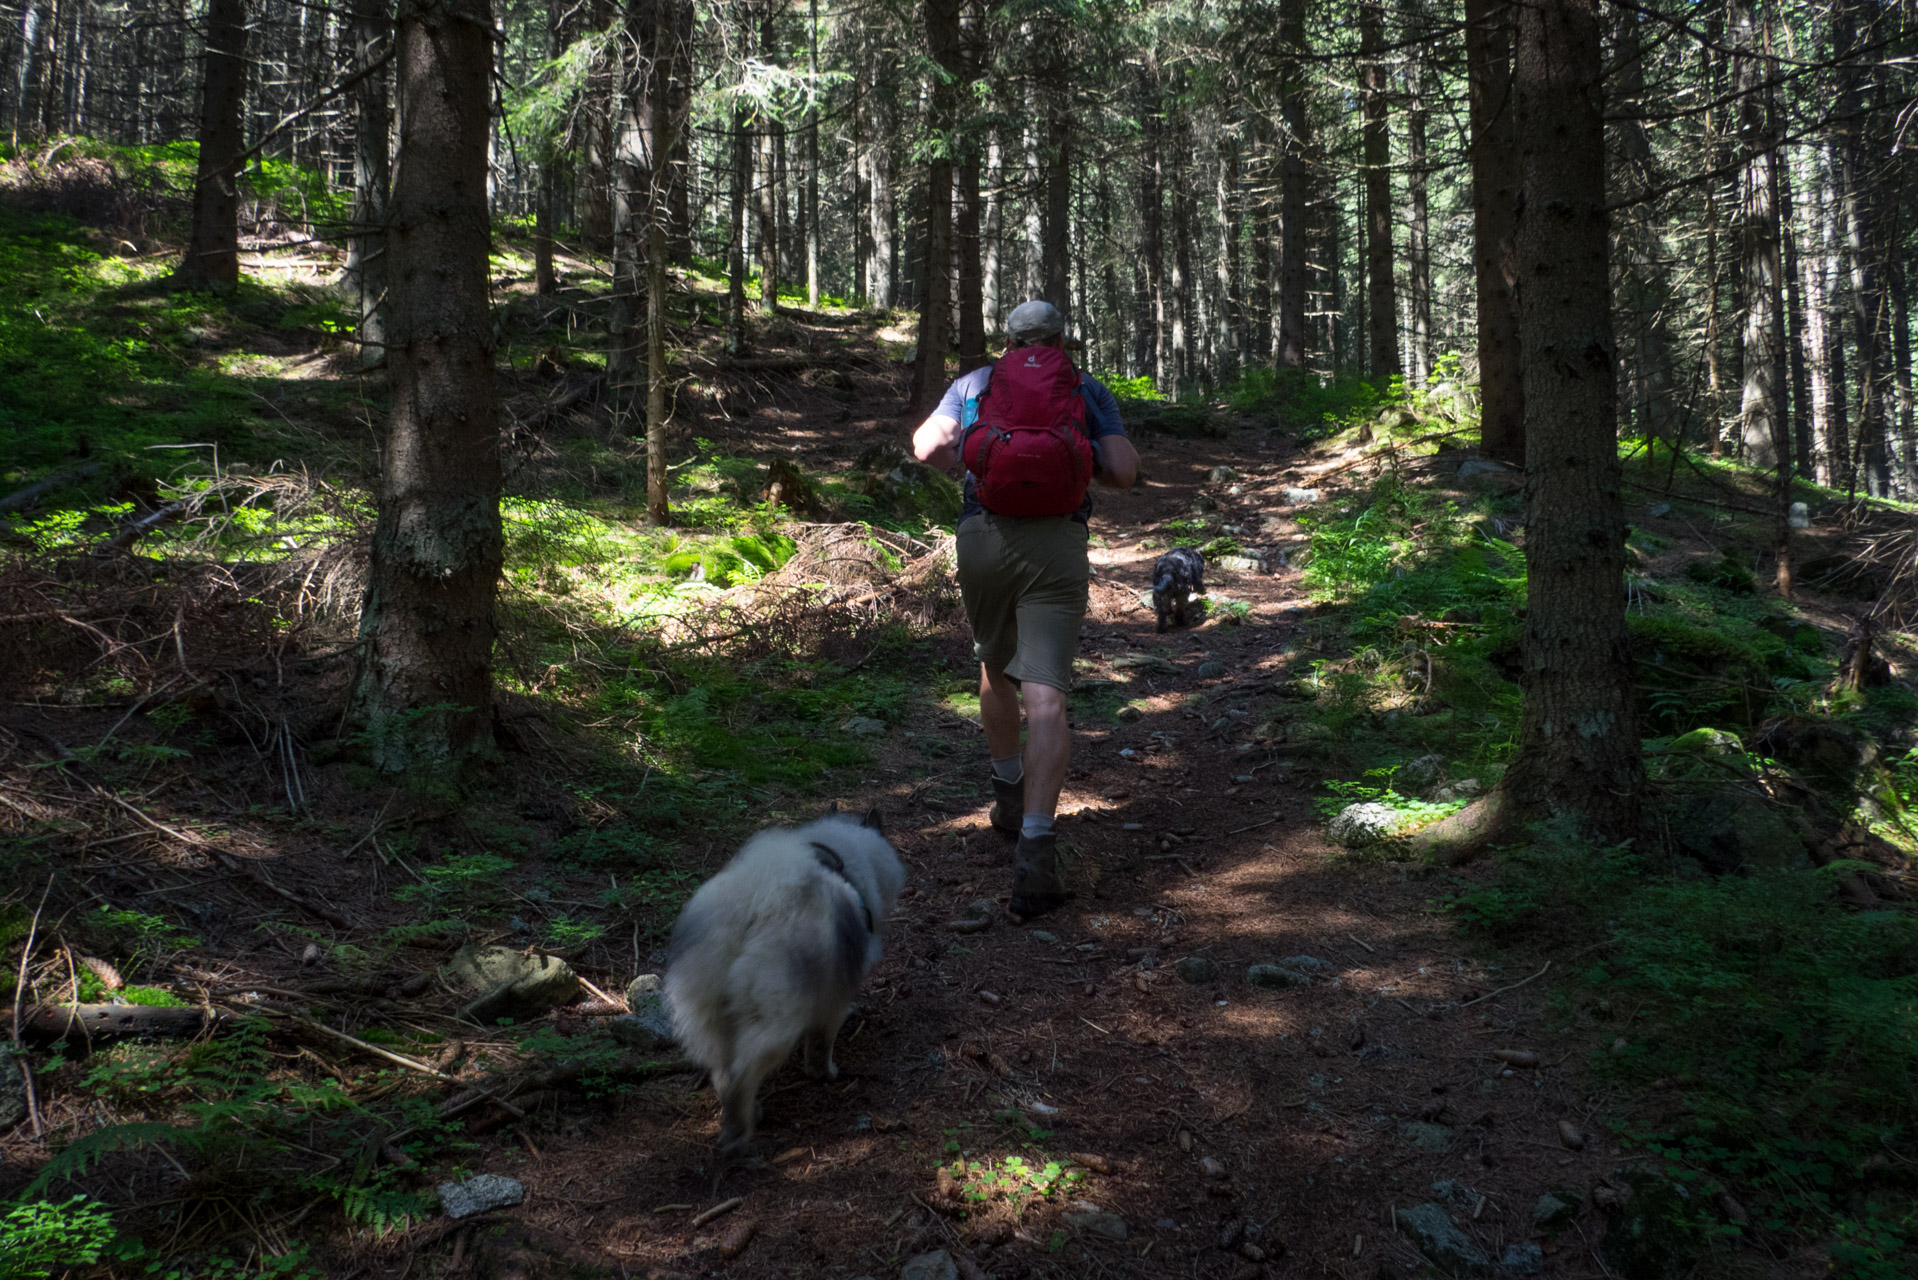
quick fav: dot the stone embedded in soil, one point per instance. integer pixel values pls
(1298, 497)
(1130, 715)
(1211, 1167)
(863, 725)
(1276, 977)
(1040, 935)
(480, 1193)
(1211, 670)
(1308, 964)
(648, 1028)
(1421, 776)
(1196, 969)
(982, 909)
(639, 988)
(1523, 1259)
(1358, 826)
(1427, 1136)
(1096, 1222)
(937, 1265)
(1220, 474)
(514, 985)
(1555, 1209)
(1432, 1232)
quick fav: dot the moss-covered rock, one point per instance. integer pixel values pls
(1657, 1233)
(1734, 828)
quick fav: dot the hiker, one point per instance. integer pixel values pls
(1031, 432)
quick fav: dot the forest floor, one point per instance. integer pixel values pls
(1104, 1091)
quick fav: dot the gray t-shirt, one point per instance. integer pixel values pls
(961, 402)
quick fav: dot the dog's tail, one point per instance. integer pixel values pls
(1164, 581)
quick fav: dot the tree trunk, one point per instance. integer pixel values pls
(935, 316)
(971, 299)
(365, 276)
(1152, 221)
(657, 253)
(1760, 416)
(1646, 287)
(1835, 444)
(1578, 750)
(1289, 302)
(1057, 254)
(634, 147)
(212, 258)
(811, 207)
(1868, 461)
(1382, 295)
(1418, 248)
(423, 692)
(1226, 193)
(740, 181)
(879, 275)
(1488, 52)
(994, 230)
(1799, 340)
(766, 210)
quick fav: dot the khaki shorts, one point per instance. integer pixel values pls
(1024, 583)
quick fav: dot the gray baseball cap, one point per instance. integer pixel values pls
(1034, 321)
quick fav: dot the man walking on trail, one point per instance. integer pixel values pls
(1031, 432)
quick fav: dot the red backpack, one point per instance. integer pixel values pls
(1028, 452)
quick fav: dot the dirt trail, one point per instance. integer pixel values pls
(1222, 1129)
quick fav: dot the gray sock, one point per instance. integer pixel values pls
(1009, 769)
(1036, 824)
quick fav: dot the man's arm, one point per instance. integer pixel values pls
(936, 442)
(1115, 463)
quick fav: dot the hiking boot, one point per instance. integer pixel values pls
(1008, 805)
(1036, 887)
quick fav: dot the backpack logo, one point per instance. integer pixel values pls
(1028, 451)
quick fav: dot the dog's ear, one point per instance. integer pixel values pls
(873, 821)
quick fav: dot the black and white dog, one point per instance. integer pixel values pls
(770, 952)
(1178, 579)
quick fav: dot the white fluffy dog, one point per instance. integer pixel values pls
(772, 950)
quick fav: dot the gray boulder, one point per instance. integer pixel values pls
(1358, 826)
(1523, 1259)
(1276, 977)
(1096, 1222)
(1220, 474)
(1426, 1136)
(479, 1193)
(512, 984)
(1731, 828)
(1443, 1244)
(1196, 970)
(1301, 497)
(1211, 670)
(1556, 1209)
(1473, 468)
(1310, 965)
(937, 1265)
(1420, 777)
(648, 1028)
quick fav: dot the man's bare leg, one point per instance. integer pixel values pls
(999, 713)
(1036, 887)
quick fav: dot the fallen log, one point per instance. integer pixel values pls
(27, 496)
(90, 1022)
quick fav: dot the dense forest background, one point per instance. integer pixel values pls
(1207, 189)
(454, 488)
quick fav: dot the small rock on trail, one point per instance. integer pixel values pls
(480, 1193)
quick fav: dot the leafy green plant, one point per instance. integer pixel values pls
(40, 1239)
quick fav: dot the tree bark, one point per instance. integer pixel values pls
(1418, 247)
(1760, 412)
(364, 278)
(935, 316)
(657, 253)
(635, 146)
(1868, 462)
(1382, 294)
(423, 692)
(1152, 220)
(879, 270)
(1057, 254)
(1289, 303)
(971, 286)
(1226, 193)
(1578, 750)
(740, 181)
(212, 260)
(1488, 52)
(990, 267)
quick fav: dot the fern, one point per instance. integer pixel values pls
(75, 1159)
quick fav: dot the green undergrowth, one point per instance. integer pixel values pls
(1767, 1033)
